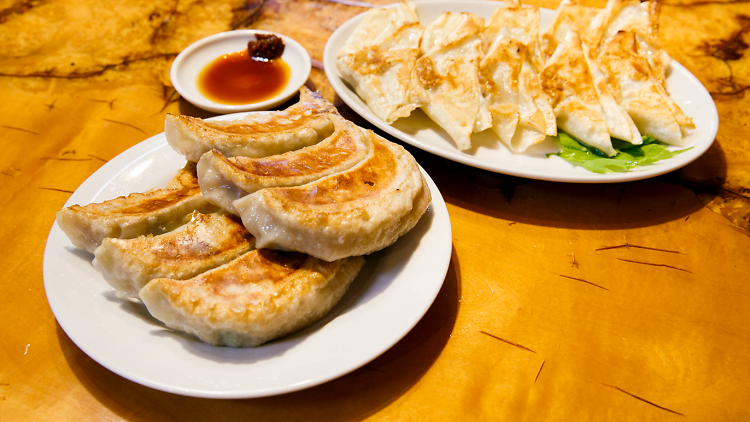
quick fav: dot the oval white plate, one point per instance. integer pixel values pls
(193, 59)
(390, 295)
(489, 153)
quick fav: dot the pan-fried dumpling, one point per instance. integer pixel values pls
(500, 71)
(643, 20)
(520, 23)
(224, 180)
(638, 92)
(207, 241)
(568, 82)
(521, 113)
(355, 212)
(258, 297)
(585, 20)
(445, 79)
(155, 211)
(257, 134)
(587, 23)
(378, 59)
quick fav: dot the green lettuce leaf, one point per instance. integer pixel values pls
(628, 156)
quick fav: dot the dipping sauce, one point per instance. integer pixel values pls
(236, 78)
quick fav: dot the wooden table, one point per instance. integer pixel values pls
(562, 302)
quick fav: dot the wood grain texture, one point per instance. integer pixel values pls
(562, 302)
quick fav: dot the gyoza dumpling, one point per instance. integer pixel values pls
(260, 296)
(500, 71)
(619, 122)
(356, 212)
(445, 80)
(378, 58)
(521, 113)
(587, 22)
(638, 92)
(520, 23)
(224, 180)
(205, 242)
(643, 20)
(568, 82)
(255, 135)
(152, 212)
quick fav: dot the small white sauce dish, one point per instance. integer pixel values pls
(192, 60)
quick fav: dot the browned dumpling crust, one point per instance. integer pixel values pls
(258, 134)
(355, 212)
(224, 180)
(260, 296)
(207, 241)
(155, 211)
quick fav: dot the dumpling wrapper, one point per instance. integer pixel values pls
(258, 297)
(445, 79)
(378, 59)
(500, 71)
(356, 212)
(155, 211)
(224, 180)
(257, 134)
(520, 23)
(587, 22)
(521, 113)
(643, 20)
(639, 93)
(568, 82)
(206, 242)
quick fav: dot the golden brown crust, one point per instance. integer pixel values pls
(261, 295)
(152, 212)
(207, 241)
(257, 135)
(355, 212)
(346, 147)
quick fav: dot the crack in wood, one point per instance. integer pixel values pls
(83, 75)
(539, 372)
(575, 262)
(627, 245)
(583, 281)
(125, 124)
(56, 190)
(353, 3)
(19, 129)
(642, 399)
(65, 159)
(655, 265)
(247, 13)
(18, 8)
(98, 158)
(506, 341)
(169, 97)
(163, 24)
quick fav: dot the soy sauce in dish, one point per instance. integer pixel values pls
(238, 78)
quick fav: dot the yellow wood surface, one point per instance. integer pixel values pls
(623, 302)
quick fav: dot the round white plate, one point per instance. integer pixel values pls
(488, 152)
(192, 60)
(390, 295)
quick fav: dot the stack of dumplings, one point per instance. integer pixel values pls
(595, 74)
(264, 229)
